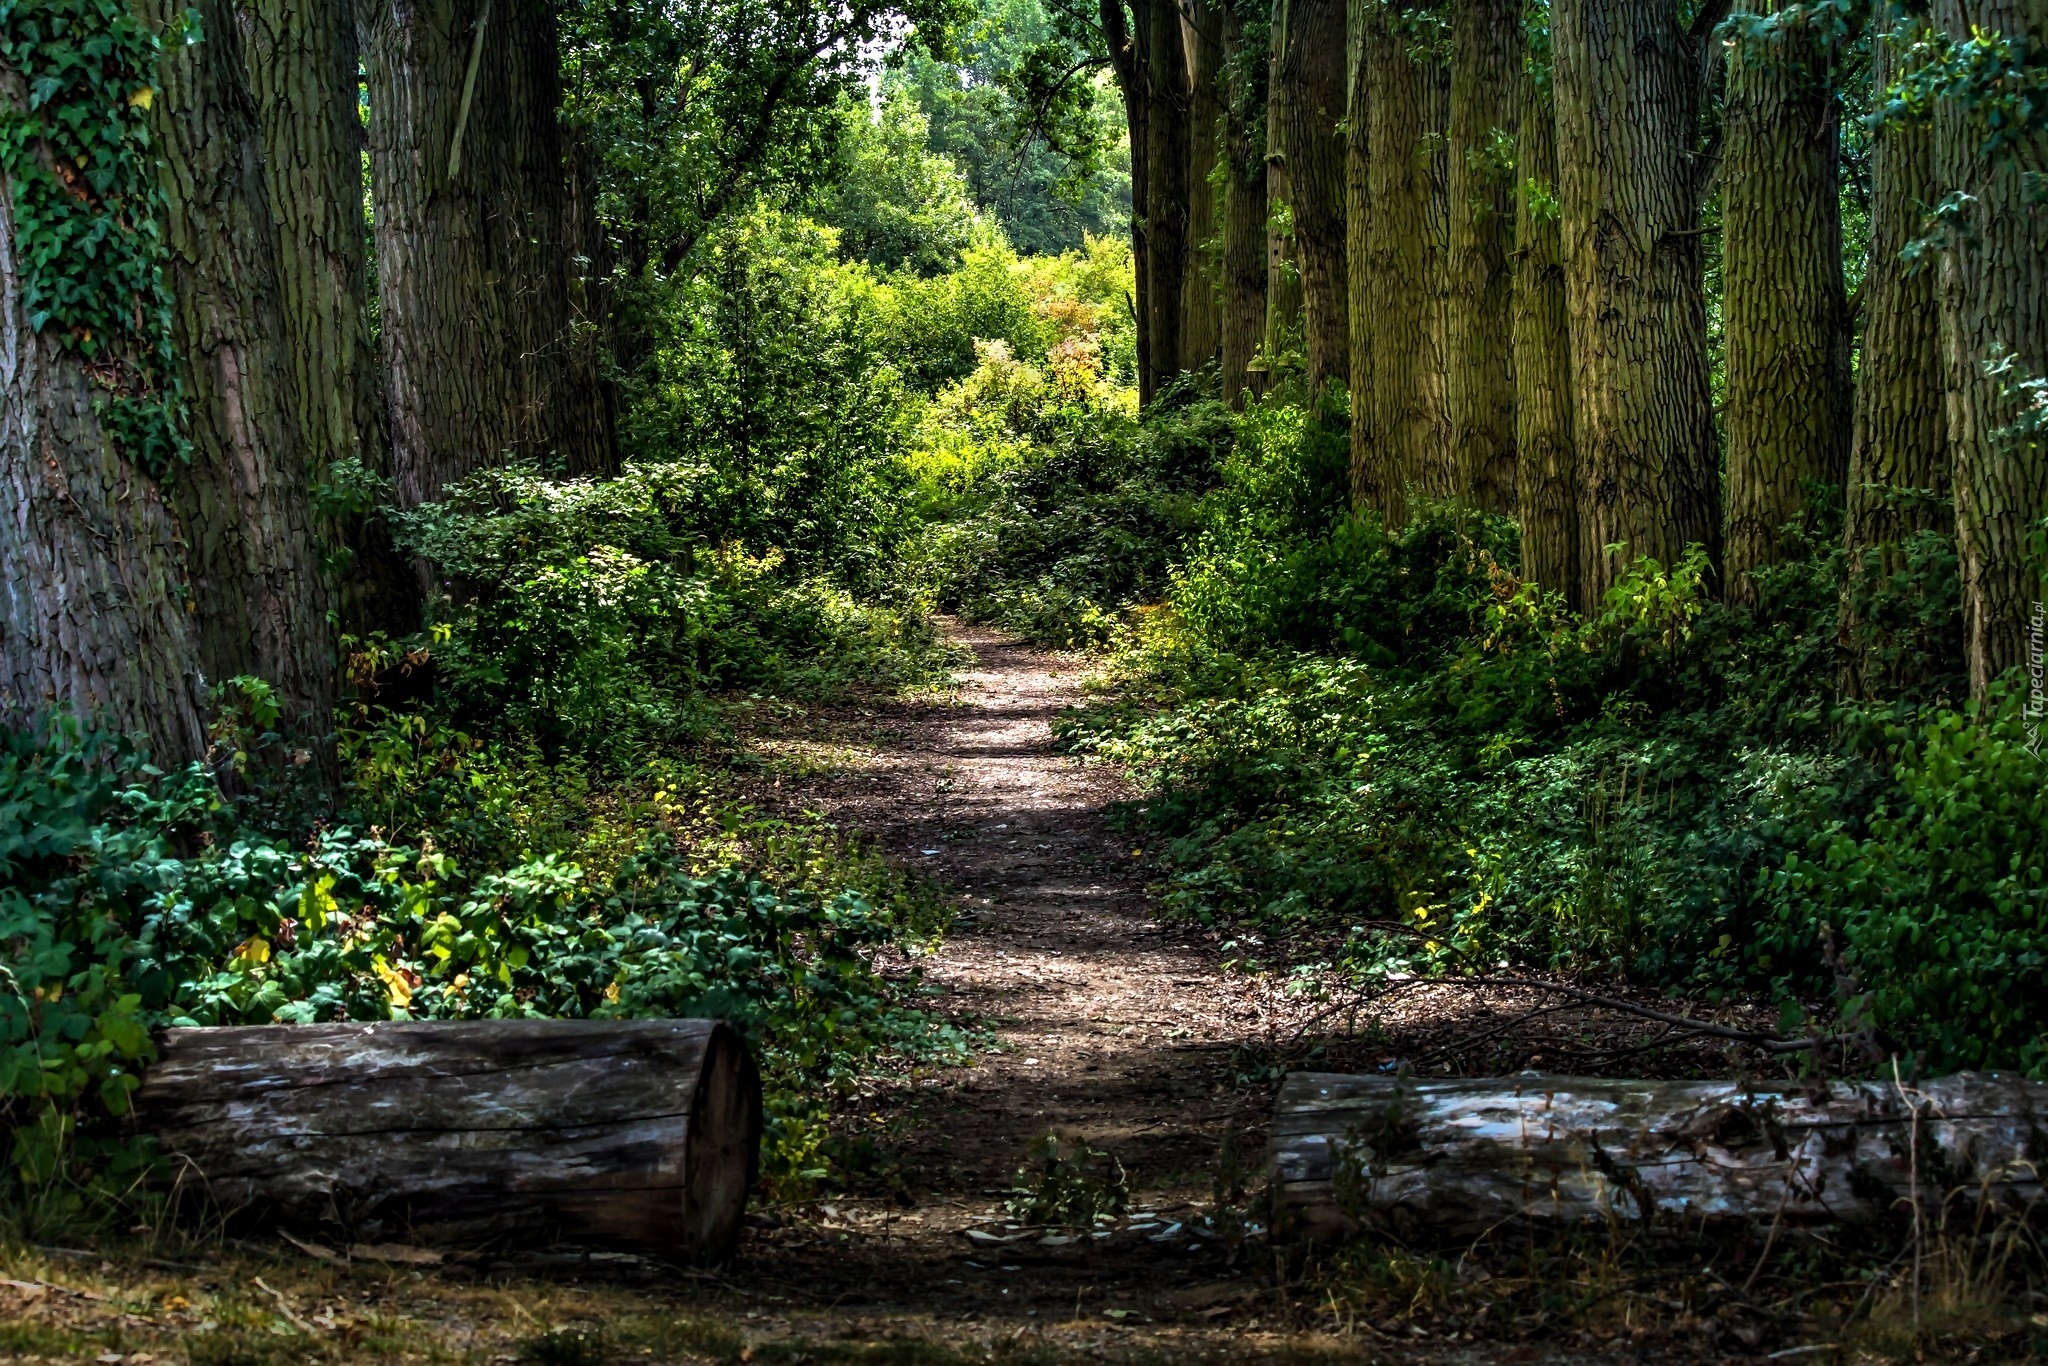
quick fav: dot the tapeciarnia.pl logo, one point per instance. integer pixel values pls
(2037, 697)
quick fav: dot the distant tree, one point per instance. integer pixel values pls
(896, 202)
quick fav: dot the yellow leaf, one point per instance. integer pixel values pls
(143, 98)
(394, 981)
(252, 952)
(611, 993)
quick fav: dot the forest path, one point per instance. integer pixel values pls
(1112, 1029)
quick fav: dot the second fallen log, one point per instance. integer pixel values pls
(634, 1134)
(1454, 1158)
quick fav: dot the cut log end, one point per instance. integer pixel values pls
(634, 1134)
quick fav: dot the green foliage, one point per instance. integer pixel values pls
(134, 898)
(1034, 122)
(898, 204)
(83, 206)
(1387, 750)
(593, 620)
(1064, 1185)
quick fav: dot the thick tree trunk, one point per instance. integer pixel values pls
(1312, 73)
(1201, 289)
(259, 599)
(474, 267)
(1627, 89)
(1164, 60)
(1899, 478)
(1283, 265)
(92, 619)
(1486, 68)
(634, 1133)
(1994, 303)
(1546, 475)
(1411, 420)
(1127, 61)
(1375, 484)
(1452, 1160)
(300, 58)
(1244, 216)
(1784, 306)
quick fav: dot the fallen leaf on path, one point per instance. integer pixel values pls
(314, 1250)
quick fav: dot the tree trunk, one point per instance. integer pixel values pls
(1283, 266)
(1244, 216)
(259, 599)
(1164, 60)
(1627, 90)
(640, 1134)
(1546, 476)
(1785, 309)
(1899, 463)
(92, 619)
(474, 266)
(1486, 63)
(1452, 1160)
(1411, 424)
(1375, 483)
(1127, 61)
(1312, 73)
(301, 64)
(1994, 305)
(1201, 291)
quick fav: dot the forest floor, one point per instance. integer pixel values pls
(1110, 1028)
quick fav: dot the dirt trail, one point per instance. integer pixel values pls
(1112, 1029)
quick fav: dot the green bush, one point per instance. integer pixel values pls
(134, 898)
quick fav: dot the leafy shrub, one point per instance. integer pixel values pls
(134, 898)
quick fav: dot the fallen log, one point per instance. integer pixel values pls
(631, 1134)
(1455, 1158)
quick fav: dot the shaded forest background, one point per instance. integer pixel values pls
(1558, 487)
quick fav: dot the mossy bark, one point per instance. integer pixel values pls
(1994, 328)
(1546, 474)
(475, 271)
(259, 598)
(1408, 92)
(1899, 480)
(1627, 91)
(1244, 215)
(1784, 306)
(93, 620)
(302, 67)
(1486, 62)
(1311, 72)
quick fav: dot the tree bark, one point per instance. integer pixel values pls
(1167, 218)
(1312, 73)
(1244, 215)
(1127, 61)
(1899, 480)
(1201, 289)
(259, 598)
(301, 63)
(92, 613)
(1283, 266)
(1452, 1160)
(1486, 62)
(1411, 420)
(1994, 306)
(474, 265)
(1546, 476)
(640, 1134)
(1375, 484)
(1627, 89)
(1784, 306)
